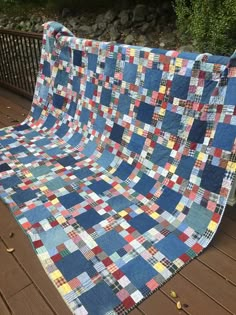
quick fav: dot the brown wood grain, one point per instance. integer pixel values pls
(3, 307)
(226, 244)
(29, 302)
(12, 277)
(198, 303)
(211, 284)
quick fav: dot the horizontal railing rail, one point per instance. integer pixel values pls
(19, 60)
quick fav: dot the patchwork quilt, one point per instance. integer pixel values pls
(121, 172)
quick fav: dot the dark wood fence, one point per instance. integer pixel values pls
(19, 60)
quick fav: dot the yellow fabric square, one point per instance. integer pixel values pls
(212, 226)
(159, 267)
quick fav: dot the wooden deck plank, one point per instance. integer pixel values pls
(27, 258)
(29, 302)
(226, 244)
(12, 277)
(212, 284)
(230, 212)
(135, 311)
(3, 307)
(198, 302)
(159, 304)
(220, 263)
(228, 227)
(8, 107)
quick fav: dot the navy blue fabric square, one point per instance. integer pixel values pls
(110, 67)
(84, 116)
(49, 122)
(124, 170)
(70, 200)
(142, 223)
(22, 196)
(230, 97)
(90, 88)
(169, 200)
(212, 178)
(10, 181)
(224, 137)
(92, 62)
(130, 72)
(100, 187)
(145, 113)
(4, 167)
(72, 109)
(136, 143)
(89, 219)
(209, 87)
(77, 59)
(124, 104)
(171, 247)
(152, 79)
(117, 133)
(145, 184)
(21, 128)
(67, 161)
(58, 100)
(139, 271)
(180, 86)
(171, 122)
(160, 155)
(83, 172)
(106, 96)
(78, 264)
(198, 131)
(185, 166)
(111, 242)
(76, 84)
(101, 295)
(46, 69)
(119, 203)
(62, 130)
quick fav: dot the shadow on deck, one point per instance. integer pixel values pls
(206, 286)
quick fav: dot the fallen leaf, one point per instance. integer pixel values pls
(11, 234)
(173, 294)
(185, 305)
(178, 305)
(10, 250)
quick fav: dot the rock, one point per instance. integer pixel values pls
(168, 39)
(99, 19)
(94, 27)
(65, 12)
(140, 13)
(125, 18)
(102, 26)
(145, 27)
(142, 40)
(22, 24)
(151, 17)
(18, 18)
(129, 40)
(85, 29)
(27, 24)
(114, 34)
(188, 47)
(110, 16)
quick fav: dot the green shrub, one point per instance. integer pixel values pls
(209, 24)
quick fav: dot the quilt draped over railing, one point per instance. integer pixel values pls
(121, 172)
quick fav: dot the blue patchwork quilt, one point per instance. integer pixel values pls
(121, 172)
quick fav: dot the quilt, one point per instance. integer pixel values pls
(121, 172)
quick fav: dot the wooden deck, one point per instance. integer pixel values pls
(206, 286)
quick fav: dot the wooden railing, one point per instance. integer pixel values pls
(19, 60)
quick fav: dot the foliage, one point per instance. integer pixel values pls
(209, 24)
